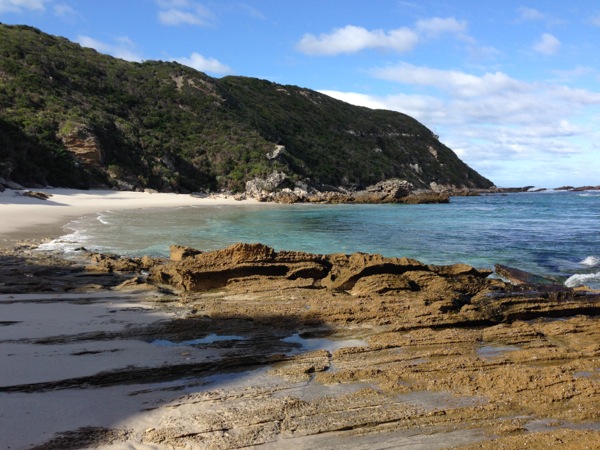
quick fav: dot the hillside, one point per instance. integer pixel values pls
(72, 117)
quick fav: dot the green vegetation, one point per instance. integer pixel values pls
(166, 126)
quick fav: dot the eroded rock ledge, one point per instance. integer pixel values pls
(422, 295)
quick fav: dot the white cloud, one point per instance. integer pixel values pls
(173, 3)
(458, 83)
(511, 131)
(530, 14)
(183, 12)
(203, 64)
(436, 26)
(18, 6)
(547, 44)
(575, 73)
(63, 9)
(533, 15)
(252, 12)
(595, 20)
(123, 47)
(352, 39)
(66, 12)
(356, 98)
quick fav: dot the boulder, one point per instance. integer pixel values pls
(517, 276)
(388, 191)
(260, 188)
(424, 198)
(36, 194)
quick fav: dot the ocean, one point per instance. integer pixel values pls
(552, 233)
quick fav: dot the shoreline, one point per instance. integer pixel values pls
(26, 218)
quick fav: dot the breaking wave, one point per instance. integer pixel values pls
(591, 261)
(588, 279)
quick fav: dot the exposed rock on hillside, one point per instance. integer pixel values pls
(83, 144)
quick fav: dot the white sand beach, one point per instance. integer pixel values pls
(27, 217)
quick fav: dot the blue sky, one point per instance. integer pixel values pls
(513, 87)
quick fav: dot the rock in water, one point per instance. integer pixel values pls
(517, 276)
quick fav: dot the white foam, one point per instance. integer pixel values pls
(591, 261)
(102, 218)
(66, 243)
(580, 279)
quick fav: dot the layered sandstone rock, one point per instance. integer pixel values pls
(434, 295)
(336, 351)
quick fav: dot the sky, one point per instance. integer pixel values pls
(512, 87)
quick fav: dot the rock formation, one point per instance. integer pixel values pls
(79, 140)
(389, 191)
(400, 353)
(454, 295)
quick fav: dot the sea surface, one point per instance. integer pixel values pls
(549, 233)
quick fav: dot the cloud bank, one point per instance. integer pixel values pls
(501, 126)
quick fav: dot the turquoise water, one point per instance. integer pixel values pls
(554, 233)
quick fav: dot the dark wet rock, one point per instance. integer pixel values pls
(517, 276)
(37, 194)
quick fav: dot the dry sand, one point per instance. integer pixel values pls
(23, 217)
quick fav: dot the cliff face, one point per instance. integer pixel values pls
(72, 117)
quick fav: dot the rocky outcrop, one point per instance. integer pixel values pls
(83, 144)
(262, 188)
(393, 190)
(213, 270)
(388, 191)
(437, 295)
